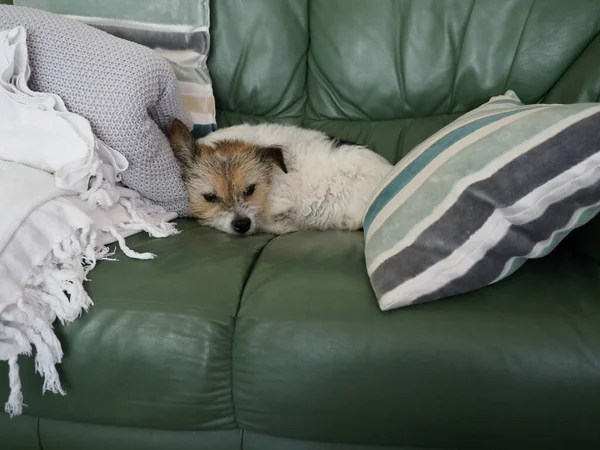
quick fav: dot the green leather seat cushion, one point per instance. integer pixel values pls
(314, 357)
(155, 349)
(307, 353)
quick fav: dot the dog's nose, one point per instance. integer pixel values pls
(241, 225)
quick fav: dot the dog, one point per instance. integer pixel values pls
(276, 179)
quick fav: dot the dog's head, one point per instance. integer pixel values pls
(228, 182)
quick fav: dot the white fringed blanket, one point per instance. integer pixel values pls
(60, 204)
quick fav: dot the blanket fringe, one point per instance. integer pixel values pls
(14, 406)
(141, 210)
(101, 194)
(56, 291)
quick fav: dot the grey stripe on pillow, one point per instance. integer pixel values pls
(518, 239)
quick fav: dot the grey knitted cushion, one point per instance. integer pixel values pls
(128, 93)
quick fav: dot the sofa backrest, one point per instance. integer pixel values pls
(389, 73)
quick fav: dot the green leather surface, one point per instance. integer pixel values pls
(55, 435)
(392, 139)
(581, 82)
(25, 434)
(390, 76)
(314, 357)
(155, 350)
(406, 59)
(258, 58)
(19, 433)
(255, 441)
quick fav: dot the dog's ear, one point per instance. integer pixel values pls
(273, 155)
(183, 144)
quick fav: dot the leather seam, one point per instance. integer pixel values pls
(454, 113)
(104, 424)
(309, 119)
(312, 67)
(232, 395)
(399, 55)
(460, 50)
(519, 42)
(336, 97)
(400, 144)
(39, 435)
(233, 333)
(265, 116)
(307, 59)
(249, 273)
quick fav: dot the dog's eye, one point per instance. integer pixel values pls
(249, 190)
(212, 198)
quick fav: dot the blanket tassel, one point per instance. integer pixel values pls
(14, 405)
(125, 249)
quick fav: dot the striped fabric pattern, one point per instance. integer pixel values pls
(176, 29)
(502, 184)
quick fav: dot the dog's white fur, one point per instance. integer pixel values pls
(327, 186)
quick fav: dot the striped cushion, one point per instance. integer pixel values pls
(466, 208)
(176, 29)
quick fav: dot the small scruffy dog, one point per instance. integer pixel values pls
(276, 178)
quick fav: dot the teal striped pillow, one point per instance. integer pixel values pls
(466, 208)
(178, 30)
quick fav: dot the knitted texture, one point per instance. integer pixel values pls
(127, 92)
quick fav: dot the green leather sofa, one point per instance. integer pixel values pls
(261, 343)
